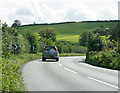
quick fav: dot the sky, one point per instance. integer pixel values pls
(54, 11)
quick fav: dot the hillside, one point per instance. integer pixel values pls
(66, 31)
(68, 28)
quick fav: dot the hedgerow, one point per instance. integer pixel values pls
(106, 59)
(102, 50)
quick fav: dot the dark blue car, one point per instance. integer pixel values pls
(50, 52)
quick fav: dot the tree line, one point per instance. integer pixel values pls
(101, 44)
(15, 43)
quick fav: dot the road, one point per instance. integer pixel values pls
(69, 74)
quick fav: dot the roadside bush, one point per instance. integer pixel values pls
(59, 46)
(33, 39)
(107, 59)
(102, 31)
(79, 49)
(115, 32)
(83, 38)
(11, 71)
(67, 48)
(95, 42)
(12, 42)
(103, 48)
(11, 76)
(20, 46)
(26, 45)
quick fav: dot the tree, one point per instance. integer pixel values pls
(119, 39)
(11, 41)
(16, 23)
(102, 31)
(48, 34)
(33, 39)
(94, 42)
(115, 32)
(115, 35)
(83, 38)
(59, 45)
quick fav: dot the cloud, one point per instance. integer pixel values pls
(24, 12)
(49, 11)
(75, 15)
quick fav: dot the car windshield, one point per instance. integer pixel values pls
(49, 47)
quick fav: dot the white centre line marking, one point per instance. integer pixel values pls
(103, 82)
(70, 70)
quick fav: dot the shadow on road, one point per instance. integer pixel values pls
(81, 61)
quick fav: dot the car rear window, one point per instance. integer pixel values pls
(49, 47)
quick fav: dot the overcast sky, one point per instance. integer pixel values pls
(50, 11)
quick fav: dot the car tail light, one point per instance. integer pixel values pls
(43, 50)
(56, 50)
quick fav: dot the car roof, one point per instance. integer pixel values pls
(50, 46)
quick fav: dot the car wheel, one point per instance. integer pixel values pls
(43, 59)
(57, 59)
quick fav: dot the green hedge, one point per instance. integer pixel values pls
(107, 59)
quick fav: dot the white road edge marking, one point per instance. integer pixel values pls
(70, 70)
(60, 64)
(103, 82)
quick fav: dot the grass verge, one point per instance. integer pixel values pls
(71, 54)
(11, 73)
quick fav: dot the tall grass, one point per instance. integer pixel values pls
(11, 71)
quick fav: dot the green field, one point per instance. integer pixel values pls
(68, 31)
(72, 38)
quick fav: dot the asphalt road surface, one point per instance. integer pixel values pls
(69, 74)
